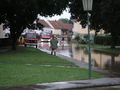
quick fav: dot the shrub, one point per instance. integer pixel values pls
(86, 36)
(5, 42)
(82, 41)
(77, 37)
(104, 40)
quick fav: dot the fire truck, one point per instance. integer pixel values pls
(45, 36)
(31, 39)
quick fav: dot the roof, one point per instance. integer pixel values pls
(43, 23)
(61, 25)
(56, 24)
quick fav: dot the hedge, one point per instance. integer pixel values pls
(5, 41)
(104, 40)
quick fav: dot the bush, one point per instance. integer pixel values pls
(86, 36)
(77, 37)
(5, 42)
(104, 40)
(118, 41)
(82, 41)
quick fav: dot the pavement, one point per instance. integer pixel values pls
(94, 84)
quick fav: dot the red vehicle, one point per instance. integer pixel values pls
(45, 36)
(31, 39)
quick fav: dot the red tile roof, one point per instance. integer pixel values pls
(57, 24)
(61, 25)
(43, 23)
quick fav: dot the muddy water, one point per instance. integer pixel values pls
(100, 60)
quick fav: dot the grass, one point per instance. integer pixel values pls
(95, 45)
(16, 75)
(92, 45)
(14, 72)
(31, 56)
(111, 51)
(103, 48)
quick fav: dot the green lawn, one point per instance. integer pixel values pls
(103, 48)
(15, 75)
(31, 56)
(14, 72)
(115, 51)
(95, 45)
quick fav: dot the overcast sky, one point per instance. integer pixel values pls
(65, 14)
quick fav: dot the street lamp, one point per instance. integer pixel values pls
(87, 5)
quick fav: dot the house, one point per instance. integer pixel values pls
(77, 29)
(4, 33)
(4, 36)
(61, 28)
(1, 31)
(58, 27)
(45, 24)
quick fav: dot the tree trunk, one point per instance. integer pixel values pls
(95, 35)
(113, 41)
(14, 38)
(114, 37)
(14, 43)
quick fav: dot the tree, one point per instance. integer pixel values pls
(65, 20)
(19, 14)
(105, 15)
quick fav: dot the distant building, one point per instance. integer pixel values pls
(77, 29)
(1, 31)
(4, 33)
(57, 27)
(61, 28)
(46, 26)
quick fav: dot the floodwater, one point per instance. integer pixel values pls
(100, 60)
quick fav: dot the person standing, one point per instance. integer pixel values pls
(54, 46)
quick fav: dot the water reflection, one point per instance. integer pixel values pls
(44, 45)
(71, 50)
(100, 60)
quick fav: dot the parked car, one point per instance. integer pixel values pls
(31, 39)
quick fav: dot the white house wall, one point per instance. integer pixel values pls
(57, 31)
(2, 34)
(47, 29)
(77, 28)
(54, 31)
(49, 24)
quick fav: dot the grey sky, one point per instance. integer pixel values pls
(65, 14)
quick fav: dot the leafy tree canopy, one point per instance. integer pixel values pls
(18, 14)
(105, 15)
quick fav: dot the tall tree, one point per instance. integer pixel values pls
(105, 15)
(18, 14)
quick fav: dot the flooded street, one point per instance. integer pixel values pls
(100, 60)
